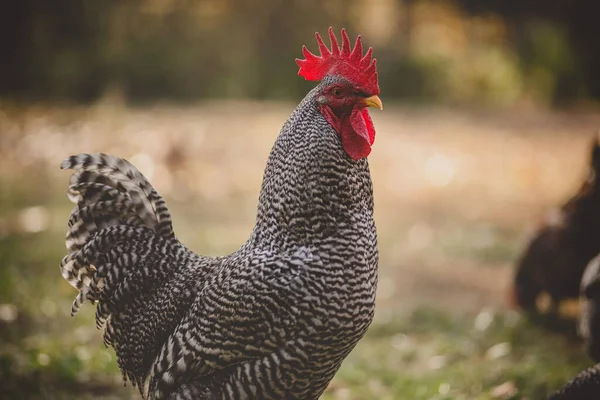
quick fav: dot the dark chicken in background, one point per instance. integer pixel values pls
(273, 320)
(562, 260)
(561, 248)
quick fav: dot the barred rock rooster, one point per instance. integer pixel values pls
(561, 248)
(273, 320)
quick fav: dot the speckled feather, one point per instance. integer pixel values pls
(584, 386)
(275, 319)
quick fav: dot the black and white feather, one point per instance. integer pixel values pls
(273, 320)
(584, 386)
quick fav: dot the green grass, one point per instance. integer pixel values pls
(429, 354)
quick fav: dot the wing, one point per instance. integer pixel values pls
(251, 310)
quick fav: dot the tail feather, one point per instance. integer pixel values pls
(123, 256)
(90, 194)
(88, 186)
(121, 175)
(107, 250)
(92, 218)
(101, 285)
(87, 193)
(107, 192)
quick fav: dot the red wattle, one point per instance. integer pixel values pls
(356, 131)
(355, 135)
(370, 128)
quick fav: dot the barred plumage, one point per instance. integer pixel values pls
(584, 386)
(273, 320)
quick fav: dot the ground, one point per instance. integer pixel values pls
(456, 193)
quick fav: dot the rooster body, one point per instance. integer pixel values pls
(275, 319)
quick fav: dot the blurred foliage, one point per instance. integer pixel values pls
(441, 51)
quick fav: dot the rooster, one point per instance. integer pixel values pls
(276, 318)
(558, 253)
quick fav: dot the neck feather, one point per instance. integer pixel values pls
(311, 188)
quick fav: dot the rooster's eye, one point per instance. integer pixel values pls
(336, 92)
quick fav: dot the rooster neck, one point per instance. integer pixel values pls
(312, 190)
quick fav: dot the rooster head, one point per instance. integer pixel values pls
(348, 86)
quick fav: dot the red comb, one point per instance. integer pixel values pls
(347, 63)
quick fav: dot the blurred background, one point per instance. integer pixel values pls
(490, 107)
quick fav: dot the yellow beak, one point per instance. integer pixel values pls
(373, 101)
